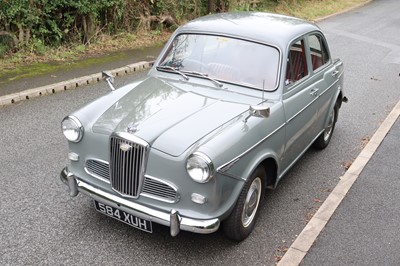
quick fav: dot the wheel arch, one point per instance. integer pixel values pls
(340, 99)
(270, 165)
(271, 170)
(335, 102)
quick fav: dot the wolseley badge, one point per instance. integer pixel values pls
(125, 147)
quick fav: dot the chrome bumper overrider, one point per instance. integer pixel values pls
(172, 219)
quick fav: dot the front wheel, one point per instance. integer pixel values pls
(241, 221)
(323, 140)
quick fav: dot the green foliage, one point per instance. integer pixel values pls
(37, 46)
(36, 24)
(80, 48)
(7, 43)
(58, 21)
(3, 49)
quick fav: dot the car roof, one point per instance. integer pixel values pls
(267, 28)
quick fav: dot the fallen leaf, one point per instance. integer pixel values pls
(365, 140)
(279, 252)
(317, 200)
(277, 258)
(309, 216)
(346, 165)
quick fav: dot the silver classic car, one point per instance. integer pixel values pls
(231, 103)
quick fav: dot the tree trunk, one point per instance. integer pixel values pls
(20, 35)
(211, 6)
(27, 36)
(89, 28)
(85, 29)
(218, 6)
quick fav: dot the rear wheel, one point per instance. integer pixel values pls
(241, 221)
(323, 140)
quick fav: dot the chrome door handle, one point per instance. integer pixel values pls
(314, 92)
(334, 73)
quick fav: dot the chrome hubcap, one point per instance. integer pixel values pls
(252, 200)
(328, 129)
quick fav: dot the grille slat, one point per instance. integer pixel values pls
(151, 186)
(98, 168)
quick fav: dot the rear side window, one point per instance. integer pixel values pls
(318, 51)
(296, 67)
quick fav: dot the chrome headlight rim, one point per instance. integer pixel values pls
(208, 167)
(78, 127)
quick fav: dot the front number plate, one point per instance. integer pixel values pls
(124, 217)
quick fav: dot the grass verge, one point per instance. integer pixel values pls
(314, 9)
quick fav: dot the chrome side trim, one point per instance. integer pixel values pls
(298, 157)
(327, 89)
(308, 105)
(226, 166)
(172, 218)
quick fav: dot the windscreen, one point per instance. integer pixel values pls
(226, 59)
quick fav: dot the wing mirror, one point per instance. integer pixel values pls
(109, 78)
(258, 111)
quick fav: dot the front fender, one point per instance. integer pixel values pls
(243, 150)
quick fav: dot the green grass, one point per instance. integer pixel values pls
(313, 9)
(25, 64)
(36, 69)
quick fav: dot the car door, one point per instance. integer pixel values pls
(299, 102)
(323, 76)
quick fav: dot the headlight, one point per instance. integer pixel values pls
(199, 167)
(72, 129)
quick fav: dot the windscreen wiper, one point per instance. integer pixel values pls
(219, 84)
(176, 70)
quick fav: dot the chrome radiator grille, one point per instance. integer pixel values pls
(127, 165)
(152, 187)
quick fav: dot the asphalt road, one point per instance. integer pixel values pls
(41, 225)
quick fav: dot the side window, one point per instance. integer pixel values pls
(296, 67)
(318, 52)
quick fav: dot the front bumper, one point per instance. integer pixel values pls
(173, 219)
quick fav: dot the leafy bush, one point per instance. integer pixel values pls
(35, 24)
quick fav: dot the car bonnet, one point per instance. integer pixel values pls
(169, 117)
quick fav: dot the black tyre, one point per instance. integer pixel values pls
(241, 221)
(323, 140)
